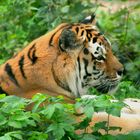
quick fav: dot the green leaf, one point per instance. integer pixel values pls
(3, 120)
(2, 96)
(88, 137)
(59, 106)
(11, 99)
(15, 124)
(35, 135)
(38, 99)
(65, 9)
(68, 127)
(115, 108)
(100, 125)
(22, 116)
(36, 117)
(49, 111)
(102, 101)
(57, 129)
(89, 110)
(13, 134)
(31, 122)
(83, 124)
(5, 137)
(16, 134)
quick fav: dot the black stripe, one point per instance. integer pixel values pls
(99, 34)
(84, 84)
(94, 66)
(94, 40)
(85, 67)
(102, 73)
(31, 54)
(79, 66)
(2, 91)
(90, 30)
(21, 64)
(86, 51)
(93, 57)
(96, 72)
(51, 39)
(34, 57)
(77, 30)
(50, 42)
(99, 75)
(11, 75)
(82, 33)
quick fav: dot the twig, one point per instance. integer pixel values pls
(107, 123)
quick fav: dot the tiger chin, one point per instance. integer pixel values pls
(66, 61)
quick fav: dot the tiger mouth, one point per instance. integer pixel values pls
(107, 88)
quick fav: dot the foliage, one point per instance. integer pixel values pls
(122, 28)
(126, 89)
(54, 119)
(22, 21)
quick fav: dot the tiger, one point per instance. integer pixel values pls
(66, 61)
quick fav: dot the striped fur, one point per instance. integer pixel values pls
(67, 61)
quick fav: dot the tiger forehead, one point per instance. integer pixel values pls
(90, 33)
(83, 27)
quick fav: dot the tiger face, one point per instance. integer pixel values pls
(66, 61)
(96, 65)
(103, 71)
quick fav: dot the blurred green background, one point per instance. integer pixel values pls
(21, 21)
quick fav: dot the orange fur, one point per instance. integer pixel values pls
(39, 76)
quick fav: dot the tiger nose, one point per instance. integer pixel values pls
(120, 71)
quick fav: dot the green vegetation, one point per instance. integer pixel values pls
(54, 120)
(21, 21)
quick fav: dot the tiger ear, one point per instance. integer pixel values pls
(90, 19)
(68, 41)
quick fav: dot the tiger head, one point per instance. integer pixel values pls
(95, 65)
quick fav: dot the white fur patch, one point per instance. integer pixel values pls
(88, 96)
(93, 49)
(88, 18)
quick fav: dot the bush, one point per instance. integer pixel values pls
(23, 21)
(123, 29)
(54, 119)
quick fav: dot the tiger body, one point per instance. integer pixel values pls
(66, 61)
(29, 72)
(43, 66)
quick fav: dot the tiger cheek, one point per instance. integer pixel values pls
(101, 66)
(112, 65)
